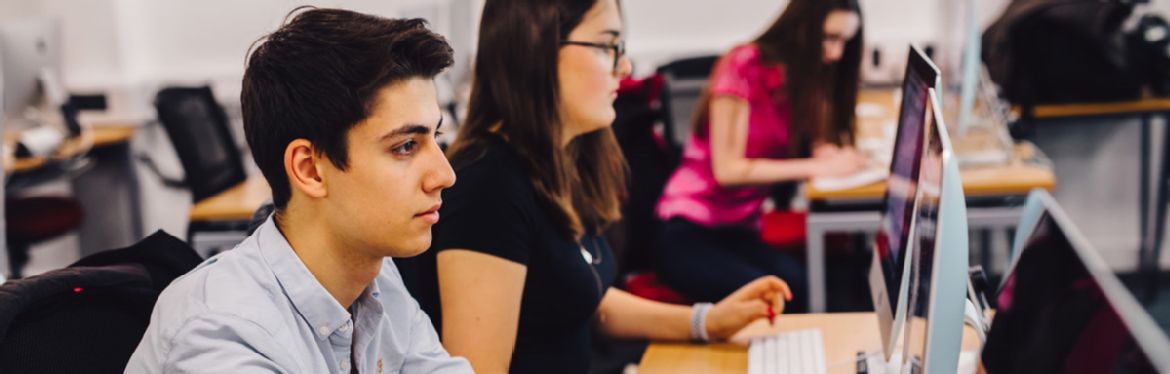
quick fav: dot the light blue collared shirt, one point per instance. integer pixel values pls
(258, 309)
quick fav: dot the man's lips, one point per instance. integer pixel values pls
(430, 215)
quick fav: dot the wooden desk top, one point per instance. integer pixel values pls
(1016, 178)
(844, 334)
(1147, 105)
(236, 204)
(103, 136)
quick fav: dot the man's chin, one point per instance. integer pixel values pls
(415, 248)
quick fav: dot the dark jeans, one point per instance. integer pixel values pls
(707, 264)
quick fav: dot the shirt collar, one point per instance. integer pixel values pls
(310, 299)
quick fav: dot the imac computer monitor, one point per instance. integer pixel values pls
(29, 55)
(1062, 310)
(938, 264)
(887, 273)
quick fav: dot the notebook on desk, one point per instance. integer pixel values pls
(862, 178)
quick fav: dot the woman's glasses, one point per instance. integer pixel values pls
(617, 49)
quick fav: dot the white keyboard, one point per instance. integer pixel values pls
(797, 352)
(861, 178)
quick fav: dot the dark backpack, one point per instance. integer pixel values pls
(1062, 51)
(1150, 42)
(90, 316)
(652, 156)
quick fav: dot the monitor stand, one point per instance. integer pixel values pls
(874, 362)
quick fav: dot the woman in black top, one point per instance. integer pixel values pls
(522, 274)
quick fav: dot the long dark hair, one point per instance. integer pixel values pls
(515, 87)
(795, 41)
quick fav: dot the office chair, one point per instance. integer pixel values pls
(199, 130)
(683, 83)
(90, 316)
(652, 156)
(34, 219)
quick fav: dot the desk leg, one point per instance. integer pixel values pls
(815, 257)
(816, 226)
(1161, 189)
(1145, 252)
(110, 195)
(3, 228)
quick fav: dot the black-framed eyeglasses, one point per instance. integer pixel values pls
(618, 49)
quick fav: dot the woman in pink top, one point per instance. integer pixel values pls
(767, 103)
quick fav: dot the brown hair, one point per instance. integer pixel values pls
(515, 86)
(795, 41)
(319, 74)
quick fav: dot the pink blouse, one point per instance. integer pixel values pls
(692, 192)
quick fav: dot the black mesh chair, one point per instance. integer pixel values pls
(199, 131)
(683, 82)
(90, 316)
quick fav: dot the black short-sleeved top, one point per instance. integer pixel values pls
(493, 208)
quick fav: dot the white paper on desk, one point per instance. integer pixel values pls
(41, 141)
(862, 178)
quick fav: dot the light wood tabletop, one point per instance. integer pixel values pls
(845, 334)
(236, 204)
(1015, 178)
(103, 136)
(1145, 105)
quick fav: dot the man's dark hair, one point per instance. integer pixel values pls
(319, 75)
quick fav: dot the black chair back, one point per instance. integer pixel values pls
(683, 86)
(198, 128)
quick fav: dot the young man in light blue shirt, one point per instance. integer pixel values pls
(341, 115)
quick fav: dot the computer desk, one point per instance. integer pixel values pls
(1150, 245)
(104, 136)
(857, 209)
(107, 187)
(228, 212)
(845, 334)
(235, 204)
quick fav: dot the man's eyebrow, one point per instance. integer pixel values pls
(615, 33)
(411, 129)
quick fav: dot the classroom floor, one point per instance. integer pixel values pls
(1158, 304)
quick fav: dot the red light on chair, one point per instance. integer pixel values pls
(647, 286)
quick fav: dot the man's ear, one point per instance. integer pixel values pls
(301, 165)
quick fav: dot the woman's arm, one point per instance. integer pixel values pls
(624, 315)
(729, 132)
(480, 296)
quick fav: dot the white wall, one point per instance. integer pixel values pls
(662, 30)
(128, 48)
(131, 46)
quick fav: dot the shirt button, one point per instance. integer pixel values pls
(323, 330)
(345, 327)
(344, 366)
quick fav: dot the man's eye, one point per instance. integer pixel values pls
(406, 149)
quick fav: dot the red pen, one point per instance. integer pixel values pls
(771, 315)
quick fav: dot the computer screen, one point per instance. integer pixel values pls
(1061, 310)
(926, 235)
(29, 48)
(893, 234)
(887, 267)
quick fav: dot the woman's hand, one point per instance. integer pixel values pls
(838, 162)
(748, 303)
(825, 150)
